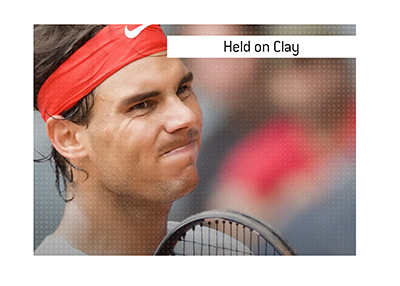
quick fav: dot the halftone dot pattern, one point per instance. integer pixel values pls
(239, 97)
(311, 104)
(321, 93)
(48, 205)
(260, 29)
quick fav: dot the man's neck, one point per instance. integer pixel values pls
(111, 224)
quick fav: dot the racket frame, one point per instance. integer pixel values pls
(265, 230)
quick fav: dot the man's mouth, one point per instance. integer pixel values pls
(189, 143)
(187, 146)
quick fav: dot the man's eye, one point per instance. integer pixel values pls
(142, 105)
(183, 91)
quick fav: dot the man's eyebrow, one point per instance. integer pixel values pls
(188, 77)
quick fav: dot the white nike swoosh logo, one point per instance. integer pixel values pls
(135, 32)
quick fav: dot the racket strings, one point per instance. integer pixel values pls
(221, 237)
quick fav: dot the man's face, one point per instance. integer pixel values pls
(144, 133)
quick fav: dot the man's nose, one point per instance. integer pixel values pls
(179, 115)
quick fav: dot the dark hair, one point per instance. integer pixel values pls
(53, 44)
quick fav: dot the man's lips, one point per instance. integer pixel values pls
(188, 142)
(181, 147)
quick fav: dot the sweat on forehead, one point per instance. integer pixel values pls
(108, 51)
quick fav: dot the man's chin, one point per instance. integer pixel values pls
(181, 188)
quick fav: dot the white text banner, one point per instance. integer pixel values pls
(262, 46)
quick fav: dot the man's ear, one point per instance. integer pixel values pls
(65, 137)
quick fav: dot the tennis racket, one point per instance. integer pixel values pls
(223, 233)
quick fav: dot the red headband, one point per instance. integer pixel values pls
(109, 50)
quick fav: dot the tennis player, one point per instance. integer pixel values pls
(125, 127)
